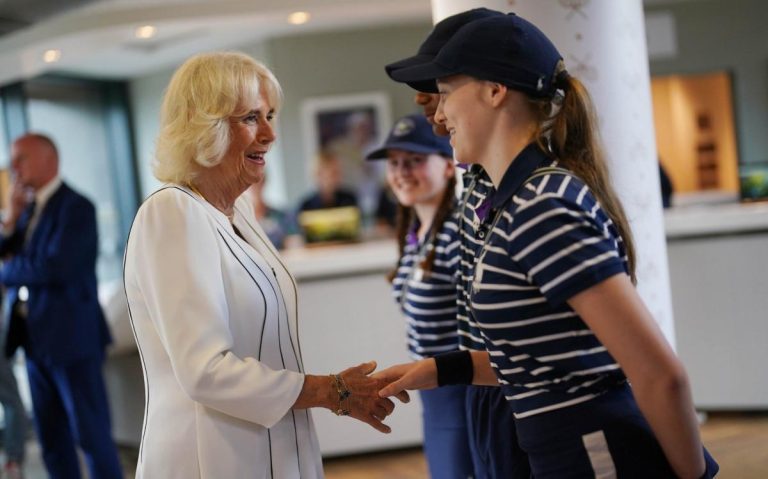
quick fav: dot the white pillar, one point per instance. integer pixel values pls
(603, 44)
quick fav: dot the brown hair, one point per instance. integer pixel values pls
(573, 138)
(406, 217)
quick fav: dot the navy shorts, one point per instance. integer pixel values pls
(493, 437)
(604, 437)
(446, 440)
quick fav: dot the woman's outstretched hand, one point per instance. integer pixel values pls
(408, 376)
(364, 402)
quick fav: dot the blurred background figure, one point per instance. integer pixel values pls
(667, 188)
(363, 178)
(15, 418)
(49, 244)
(331, 213)
(15, 421)
(274, 222)
(327, 171)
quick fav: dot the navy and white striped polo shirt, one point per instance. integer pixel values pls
(552, 241)
(478, 186)
(429, 304)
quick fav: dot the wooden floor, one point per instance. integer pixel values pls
(738, 441)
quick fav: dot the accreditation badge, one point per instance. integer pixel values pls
(418, 275)
(478, 279)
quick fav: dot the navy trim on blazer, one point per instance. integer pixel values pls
(264, 297)
(298, 357)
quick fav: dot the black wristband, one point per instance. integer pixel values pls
(454, 368)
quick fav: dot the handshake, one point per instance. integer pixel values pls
(363, 395)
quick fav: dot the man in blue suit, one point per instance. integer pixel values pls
(49, 246)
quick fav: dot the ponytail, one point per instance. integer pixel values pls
(572, 137)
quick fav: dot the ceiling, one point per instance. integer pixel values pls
(19, 14)
(97, 37)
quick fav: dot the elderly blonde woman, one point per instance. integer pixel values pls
(213, 308)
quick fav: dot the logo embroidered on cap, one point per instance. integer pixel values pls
(403, 127)
(540, 84)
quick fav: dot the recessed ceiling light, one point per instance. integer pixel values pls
(298, 18)
(52, 56)
(146, 31)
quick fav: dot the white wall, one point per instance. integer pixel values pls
(146, 94)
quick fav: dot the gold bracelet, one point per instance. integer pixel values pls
(344, 394)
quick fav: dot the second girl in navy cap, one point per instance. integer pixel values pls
(421, 174)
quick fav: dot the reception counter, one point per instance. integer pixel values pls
(718, 260)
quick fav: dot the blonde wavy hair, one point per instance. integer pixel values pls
(203, 94)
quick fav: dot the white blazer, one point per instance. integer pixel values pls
(215, 321)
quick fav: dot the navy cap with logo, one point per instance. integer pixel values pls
(413, 133)
(506, 49)
(441, 33)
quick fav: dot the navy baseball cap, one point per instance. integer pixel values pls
(413, 133)
(506, 49)
(441, 33)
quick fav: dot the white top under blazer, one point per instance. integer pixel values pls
(215, 320)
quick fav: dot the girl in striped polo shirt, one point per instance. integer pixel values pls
(550, 288)
(421, 174)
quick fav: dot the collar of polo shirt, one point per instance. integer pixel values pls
(519, 171)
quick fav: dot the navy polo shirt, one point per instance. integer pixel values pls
(552, 240)
(479, 188)
(428, 299)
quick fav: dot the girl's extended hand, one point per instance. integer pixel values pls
(364, 402)
(408, 376)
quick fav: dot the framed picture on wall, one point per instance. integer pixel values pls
(347, 127)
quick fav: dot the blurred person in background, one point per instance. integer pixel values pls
(50, 245)
(14, 415)
(667, 187)
(275, 222)
(327, 173)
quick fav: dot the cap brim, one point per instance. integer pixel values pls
(419, 59)
(429, 86)
(422, 77)
(381, 153)
(410, 62)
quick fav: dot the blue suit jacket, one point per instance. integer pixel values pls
(58, 266)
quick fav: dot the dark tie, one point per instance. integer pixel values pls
(25, 219)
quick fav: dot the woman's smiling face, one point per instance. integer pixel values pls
(417, 178)
(251, 136)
